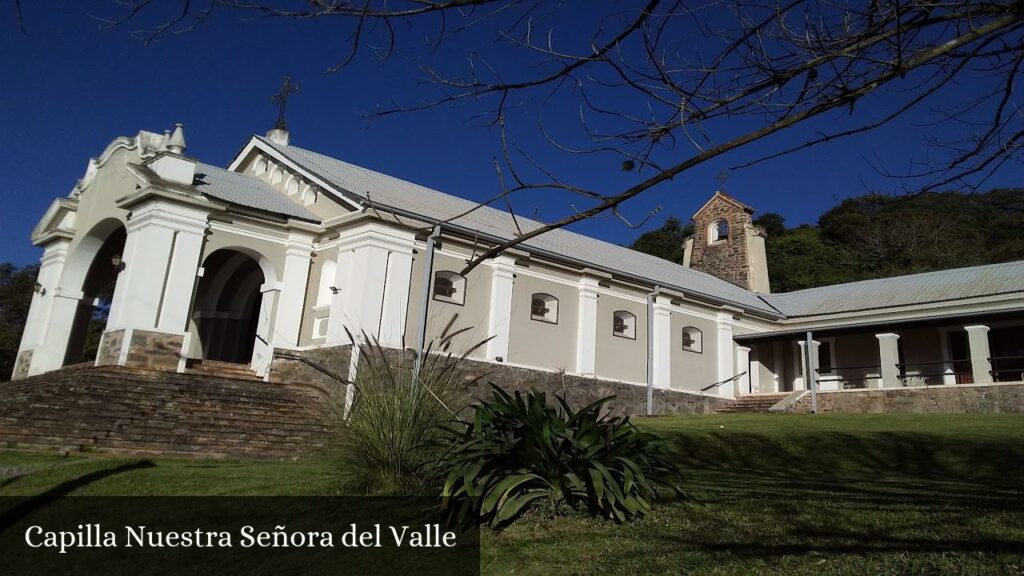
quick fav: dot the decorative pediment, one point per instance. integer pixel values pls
(283, 178)
(147, 145)
(57, 222)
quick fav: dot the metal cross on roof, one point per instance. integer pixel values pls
(287, 89)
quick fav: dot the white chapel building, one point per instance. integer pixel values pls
(287, 249)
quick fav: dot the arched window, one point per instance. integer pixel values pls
(693, 340)
(544, 308)
(449, 287)
(624, 324)
(326, 287)
(718, 231)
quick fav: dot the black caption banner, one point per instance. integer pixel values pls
(231, 535)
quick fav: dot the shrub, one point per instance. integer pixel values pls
(520, 452)
(389, 442)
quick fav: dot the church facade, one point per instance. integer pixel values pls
(288, 249)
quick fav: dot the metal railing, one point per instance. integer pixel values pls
(726, 381)
(960, 369)
(314, 365)
(850, 382)
(1007, 368)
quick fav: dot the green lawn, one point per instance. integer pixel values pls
(768, 495)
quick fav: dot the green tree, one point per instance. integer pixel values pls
(774, 224)
(665, 242)
(16, 287)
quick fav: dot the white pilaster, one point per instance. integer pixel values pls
(726, 354)
(778, 366)
(888, 358)
(746, 369)
(374, 269)
(661, 346)
(499, 320)
(981, 366)
(39, 323)
(395, 308)
(288, 320)
(586, 332)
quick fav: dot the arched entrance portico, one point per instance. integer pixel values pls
(229, 312)
(92, 270)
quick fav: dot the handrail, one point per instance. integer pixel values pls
(726, 381)
(936, 363)
(837, 368)
(314, 365)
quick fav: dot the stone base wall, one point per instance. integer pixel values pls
(21, 365)
(630, 399)
(335, 359)
(110, 348)
(951, 399)
(154, 351)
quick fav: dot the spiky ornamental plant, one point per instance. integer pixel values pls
(390, 439)
(520, 452)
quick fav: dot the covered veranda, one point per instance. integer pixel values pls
(964, 349)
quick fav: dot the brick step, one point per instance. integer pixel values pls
(226, 426)
(751, 404)
(144, 411)
(273, 393)
(254, 449)
(88, 397)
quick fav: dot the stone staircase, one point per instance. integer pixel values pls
(146, 412)
(218, 369)
(751, 404)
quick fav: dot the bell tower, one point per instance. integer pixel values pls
(727, 244)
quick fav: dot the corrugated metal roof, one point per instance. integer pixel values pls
(388, 191)
(926, 288)
(247, 191)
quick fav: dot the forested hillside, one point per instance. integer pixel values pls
(875, 236)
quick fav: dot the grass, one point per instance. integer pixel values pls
(793, 495)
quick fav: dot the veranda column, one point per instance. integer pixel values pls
(744, 368)
(889, 357)
(586, 332)
(661, 346)
(34, 355)
(726, 354)
(150, 308)
(499, 318)
(288, 320)
(981, 365)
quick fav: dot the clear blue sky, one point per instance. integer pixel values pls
(70, 88)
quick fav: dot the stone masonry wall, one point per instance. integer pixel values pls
(727, 260)
(21, 364)
(110, 348)
(154, 351)
(951, 399)
(629, 398)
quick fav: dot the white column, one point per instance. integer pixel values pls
(661, 346)
(889, 357)
(586, 331)
(778, 366)
(161, 258)
(500, 314)
(288, 320)
(755, 369)
(263, 349)
(726, 355)
(51, 266)
(745, 367)
(180, 283)
(981, 366)
(373, 274)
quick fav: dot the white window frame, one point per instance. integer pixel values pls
(458, 282)
(550, 315)
(629, 321)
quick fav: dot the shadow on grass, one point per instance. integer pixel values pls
(12, 516)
